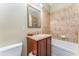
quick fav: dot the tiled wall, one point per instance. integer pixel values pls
(65, 22)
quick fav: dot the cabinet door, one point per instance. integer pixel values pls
(31, 46)
(48, 46)
(42, 47)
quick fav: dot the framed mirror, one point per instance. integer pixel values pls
(33, 17)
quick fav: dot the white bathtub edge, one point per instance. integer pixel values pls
(75, 50)
(10, 46)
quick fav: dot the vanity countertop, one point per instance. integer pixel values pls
(39, 36)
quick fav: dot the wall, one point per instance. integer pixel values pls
(65, 22)
(45, 19)
(12, 23)
(57, 6)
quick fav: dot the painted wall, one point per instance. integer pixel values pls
(12, 23)
(65, 22)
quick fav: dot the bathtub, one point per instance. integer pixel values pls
(11, 50)
(64, 48)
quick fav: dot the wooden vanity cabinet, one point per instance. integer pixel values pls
(41, 47)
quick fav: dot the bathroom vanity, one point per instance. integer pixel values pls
(39, 45)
